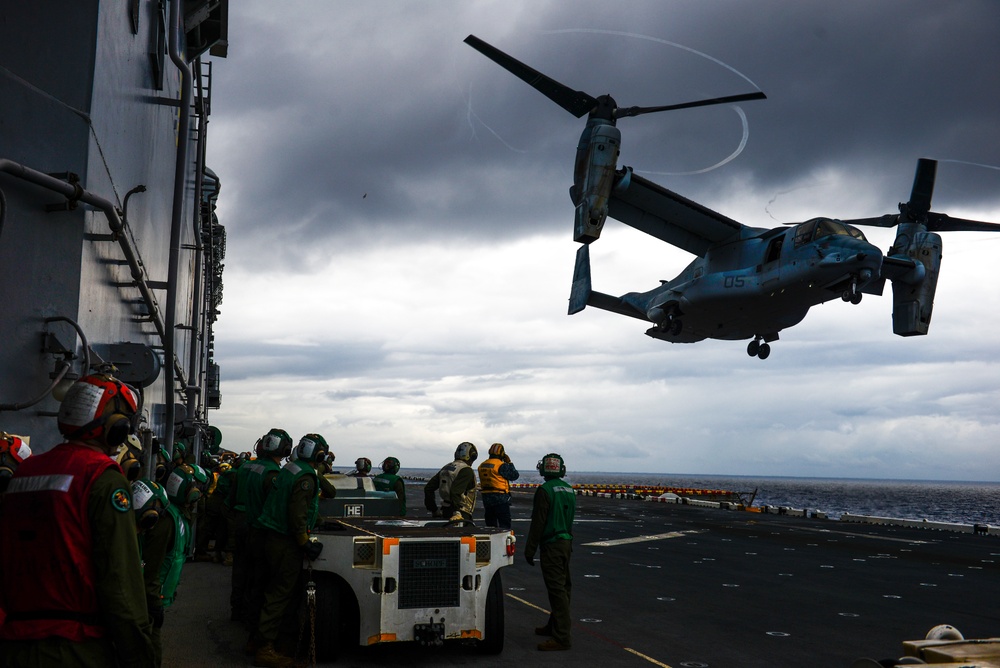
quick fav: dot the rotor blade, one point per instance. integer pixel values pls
(636, 111)
(575, 102)
(888, 220)
(942, 222)
(923, 186)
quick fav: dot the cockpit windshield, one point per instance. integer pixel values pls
(817, 228)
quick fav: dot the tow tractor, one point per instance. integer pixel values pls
(394, 579)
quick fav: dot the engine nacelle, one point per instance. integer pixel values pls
(913, 301)
(597, 159)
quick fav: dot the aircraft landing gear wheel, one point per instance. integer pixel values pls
(852, 294)
(764, 351)
(753, 348)
(676, 326)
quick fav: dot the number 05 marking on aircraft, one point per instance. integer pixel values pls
(643, 539)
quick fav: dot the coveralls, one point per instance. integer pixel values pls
(455, 485)
(290, 511)
(552, 531)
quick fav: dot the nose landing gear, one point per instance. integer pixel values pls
(852, 294)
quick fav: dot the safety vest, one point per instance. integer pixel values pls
(562, 508)
(275, 513)
(240, 503)
(490, 480)
(257, 471)
(467, 503)
(173, 562)
(47, 583)
(386, 482)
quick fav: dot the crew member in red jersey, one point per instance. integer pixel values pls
(71, 588)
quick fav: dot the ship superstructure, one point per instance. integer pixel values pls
(110, 247)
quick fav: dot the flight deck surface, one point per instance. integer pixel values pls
(671, 585)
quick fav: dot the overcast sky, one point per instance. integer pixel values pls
(400, 246)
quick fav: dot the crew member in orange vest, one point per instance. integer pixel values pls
(495, 476)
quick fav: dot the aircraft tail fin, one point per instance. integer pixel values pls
(582, 295)
(581, 290)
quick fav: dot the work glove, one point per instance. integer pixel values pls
(455, 517)
(312, 548)
(530, 558)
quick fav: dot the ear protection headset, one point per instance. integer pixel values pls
(104, 405)
(390, 465)
(129, 459)
(11, 448)
(552, 466)
(149, 501)
(311, 448)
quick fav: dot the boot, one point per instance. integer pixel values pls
(543, 630)
(268, 657)
(552, 645)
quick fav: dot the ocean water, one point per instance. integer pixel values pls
(935, 501)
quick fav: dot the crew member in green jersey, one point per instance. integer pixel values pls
(290, 513)
(389, 481)
(552, 531)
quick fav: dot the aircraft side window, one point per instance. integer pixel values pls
(804, 233)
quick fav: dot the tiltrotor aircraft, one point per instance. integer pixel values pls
(747, 282)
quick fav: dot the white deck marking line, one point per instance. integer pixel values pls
(645, 538)
(866, 535)
(627, 649)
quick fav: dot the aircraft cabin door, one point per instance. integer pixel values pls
(770, 269)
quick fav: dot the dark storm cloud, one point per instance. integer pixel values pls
(416, 193)
(385, 126)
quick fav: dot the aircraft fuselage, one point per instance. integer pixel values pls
(780, 274)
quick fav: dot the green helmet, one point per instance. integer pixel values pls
(275, 443)
(182, 488)
(200, 475)
(180, 450)
(149, 502)
(390, 466)
(552, 466)
(312, 448)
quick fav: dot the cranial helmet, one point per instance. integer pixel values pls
(275, 443)
(390, 466)
(200, 476)
(149, 501)
(363, 464)
(129, 458)
(13, 450)
(98, 408)
(466, 451)
(181, 487)
(552, 466)
(311, 448)
(496, 450)
(180, 451)
(160, 470)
